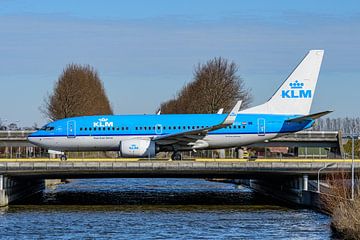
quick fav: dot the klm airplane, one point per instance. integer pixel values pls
(287, 111)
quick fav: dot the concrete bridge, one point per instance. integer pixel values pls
(288, 180)
(168, 169)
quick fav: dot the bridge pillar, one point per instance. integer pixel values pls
(305, 182)
(12, 189)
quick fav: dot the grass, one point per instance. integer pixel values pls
(344, 211)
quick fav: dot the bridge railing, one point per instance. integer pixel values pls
(21, 134)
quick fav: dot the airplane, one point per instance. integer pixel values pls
(287, 111)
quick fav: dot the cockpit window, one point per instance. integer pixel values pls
(47, 128)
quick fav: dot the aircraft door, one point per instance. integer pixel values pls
(158, 129)
(71, 129)
(261, 126)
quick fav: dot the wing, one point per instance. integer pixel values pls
(190, 137)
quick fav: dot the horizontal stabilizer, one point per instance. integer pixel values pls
(309, 117)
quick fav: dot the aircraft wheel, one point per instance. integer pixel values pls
(176, 156)
(63, 158)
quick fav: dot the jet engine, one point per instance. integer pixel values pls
(137, 148)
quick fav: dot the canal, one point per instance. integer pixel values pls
(157, 208)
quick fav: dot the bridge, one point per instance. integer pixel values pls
(288, 180)
(168, 169)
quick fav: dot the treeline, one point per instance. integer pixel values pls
(346, 125)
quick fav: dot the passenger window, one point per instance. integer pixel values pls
(85, 129)
(80, 129)
(127, 128)
(89, 129)
(140, 128)
(104, 128)
(193, 127)
(136, 128)
(244, 126)
(144, 128)
(158, 128)
(113, 128)
(197, 127)
(122, 128)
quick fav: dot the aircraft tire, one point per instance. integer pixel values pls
(176, 156)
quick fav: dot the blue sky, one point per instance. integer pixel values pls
(145, 51)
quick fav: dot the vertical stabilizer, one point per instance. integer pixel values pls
(296, 94)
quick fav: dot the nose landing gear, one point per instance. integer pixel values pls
(176, 156)
(63, 157)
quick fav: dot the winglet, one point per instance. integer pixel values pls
(232, 115)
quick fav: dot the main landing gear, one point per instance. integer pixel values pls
(63, 157)
(176, 156)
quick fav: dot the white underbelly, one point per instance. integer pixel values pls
(86, 143)
(235, 140)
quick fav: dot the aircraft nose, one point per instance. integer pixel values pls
(33, 139)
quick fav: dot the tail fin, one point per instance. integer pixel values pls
(296, 94)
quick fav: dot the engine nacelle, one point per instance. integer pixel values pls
(137, 148)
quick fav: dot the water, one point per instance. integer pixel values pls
(157, 208)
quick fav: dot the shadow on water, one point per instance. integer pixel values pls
(146, 192)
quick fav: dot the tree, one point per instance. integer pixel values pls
(78, 91)
(216, 85)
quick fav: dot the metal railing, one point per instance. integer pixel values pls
(20, 134)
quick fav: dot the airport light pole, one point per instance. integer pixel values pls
(318, 182)
(352, 164)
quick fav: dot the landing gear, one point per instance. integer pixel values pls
(63, 157)
(176, 156)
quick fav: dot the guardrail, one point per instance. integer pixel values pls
(20, 134)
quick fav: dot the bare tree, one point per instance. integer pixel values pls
(216, 85)
(78, 91)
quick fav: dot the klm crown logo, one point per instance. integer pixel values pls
(133, 147)
(103, 122)
(296, 91)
